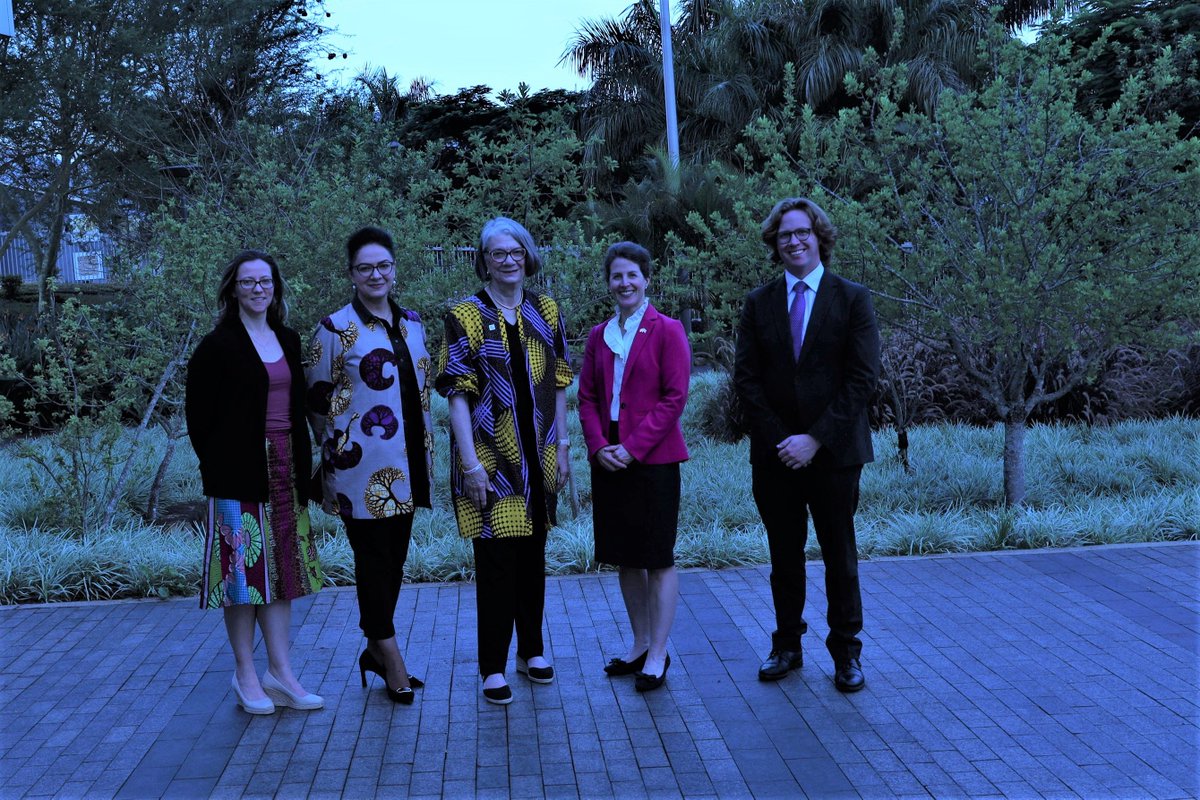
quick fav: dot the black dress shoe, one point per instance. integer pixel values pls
(779, 663)
(648, 683)
(849, 676)
(619, 666)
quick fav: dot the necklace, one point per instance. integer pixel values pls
(507, 308)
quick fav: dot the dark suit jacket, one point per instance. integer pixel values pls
(825, 393)
(226, 407)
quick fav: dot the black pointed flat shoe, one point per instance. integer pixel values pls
(619, 666)
(648, 683)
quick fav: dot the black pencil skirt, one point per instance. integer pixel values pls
(635, 513)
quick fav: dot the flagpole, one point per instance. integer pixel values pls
(669, 88)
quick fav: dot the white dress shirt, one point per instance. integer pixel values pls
(811, 281)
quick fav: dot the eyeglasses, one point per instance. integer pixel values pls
(248, 284)
(800, 234)
(384, 268)
(499, 256)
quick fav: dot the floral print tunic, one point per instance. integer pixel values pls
(358, 415)
(474, 361)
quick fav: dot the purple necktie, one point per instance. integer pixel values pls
(796, 315)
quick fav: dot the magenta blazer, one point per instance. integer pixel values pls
(653, 392)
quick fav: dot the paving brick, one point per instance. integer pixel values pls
(965, 656)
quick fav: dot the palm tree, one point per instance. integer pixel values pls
(623, 110)
(731, 55)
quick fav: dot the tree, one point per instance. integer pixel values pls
(95, 96)
(70, 84)
(1044, 238)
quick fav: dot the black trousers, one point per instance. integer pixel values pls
(380, 549)
(510, 589)
(786, 499)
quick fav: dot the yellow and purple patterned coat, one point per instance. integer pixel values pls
(474, 361)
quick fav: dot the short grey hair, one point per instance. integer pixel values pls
(499, 226)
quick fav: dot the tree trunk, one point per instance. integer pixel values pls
(1014, 462)
(174, 433)
(49, 265)
(147, 416)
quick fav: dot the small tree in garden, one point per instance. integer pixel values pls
(1045, 238)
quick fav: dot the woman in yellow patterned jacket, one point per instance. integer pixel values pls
(505, 369)
(369, 409)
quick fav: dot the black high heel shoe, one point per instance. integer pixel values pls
(368, 663)
(648, 683)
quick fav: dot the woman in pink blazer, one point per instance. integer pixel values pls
(632, 390)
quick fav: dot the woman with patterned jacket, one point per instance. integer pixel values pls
(369, 408)
(245, 415)
(505, 369)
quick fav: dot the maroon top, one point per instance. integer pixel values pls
(279, 381)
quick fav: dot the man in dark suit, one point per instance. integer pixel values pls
(807, 363)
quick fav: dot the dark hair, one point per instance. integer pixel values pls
(365, 236)
(276, 312)
(497, 227)
(822, 227)
(630, 251)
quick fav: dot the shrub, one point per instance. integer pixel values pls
(713, 408)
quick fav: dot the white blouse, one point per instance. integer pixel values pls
(620, 341)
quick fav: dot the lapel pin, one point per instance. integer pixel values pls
(641, 330)
(491, 327)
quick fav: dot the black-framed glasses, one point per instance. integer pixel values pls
(499, 256)
(800, 234)
(248, 284)
(383, 267)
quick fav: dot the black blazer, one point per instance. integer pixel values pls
(825, 394)
(226, 407)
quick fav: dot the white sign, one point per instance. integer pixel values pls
(89, 267)
(6, 19)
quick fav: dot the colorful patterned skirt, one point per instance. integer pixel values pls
(257, 553)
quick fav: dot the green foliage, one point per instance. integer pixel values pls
(1154, 43)
(713, 408)
(950, 502)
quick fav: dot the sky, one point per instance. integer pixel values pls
(460, 43)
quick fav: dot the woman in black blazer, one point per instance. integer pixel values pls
(246, 419)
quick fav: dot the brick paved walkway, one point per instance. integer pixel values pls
(1037, 674)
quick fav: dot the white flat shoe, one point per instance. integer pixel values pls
(263, 706)
(284, 696)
